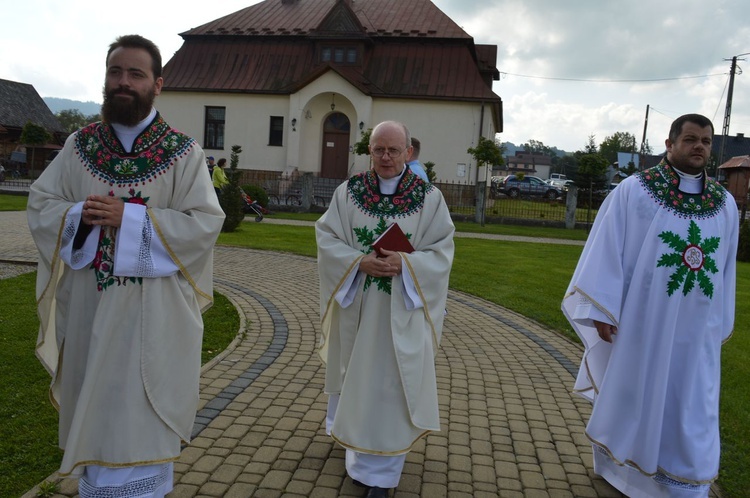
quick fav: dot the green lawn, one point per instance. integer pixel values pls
(28, 432)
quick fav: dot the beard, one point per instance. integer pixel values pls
(124, 111)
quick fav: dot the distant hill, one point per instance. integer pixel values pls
(86, 108)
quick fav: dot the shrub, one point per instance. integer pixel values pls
(257, 193)
(230, 197)
(743, 249)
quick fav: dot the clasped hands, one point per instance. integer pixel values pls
(388, 265)
(102, 210)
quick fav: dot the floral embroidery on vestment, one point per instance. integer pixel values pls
(691, 259)
(662, 182)
(155, 150)
(407, 200)
(104, 261)
(366, 238)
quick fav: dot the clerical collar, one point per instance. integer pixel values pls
(388, 186)
(127, 134)
(689, 183)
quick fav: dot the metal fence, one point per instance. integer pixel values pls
(307, 191)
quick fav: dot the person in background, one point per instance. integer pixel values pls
(652, 299)
(219, 176)
(414, 165)
(210, 163)
(125, 271)
(382, 317)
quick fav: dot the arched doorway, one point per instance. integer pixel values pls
(335, 146)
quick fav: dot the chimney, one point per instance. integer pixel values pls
(740, 136)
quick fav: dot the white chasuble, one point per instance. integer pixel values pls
(660, 265)
(379, 350)
(123, 346)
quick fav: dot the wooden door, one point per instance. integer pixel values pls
(335, 155)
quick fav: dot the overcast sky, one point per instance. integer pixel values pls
(569, 69)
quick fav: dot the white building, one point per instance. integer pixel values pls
(296, 82)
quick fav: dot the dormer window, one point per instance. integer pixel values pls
(339, 54)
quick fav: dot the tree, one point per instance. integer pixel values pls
(591, 171)
(72, 119)
(429, 168)
(621, 141)
(33, 135)
(590, 147)
(362, 148)
(487, 153)
(568, 165)
(536, 147)
(230, 196)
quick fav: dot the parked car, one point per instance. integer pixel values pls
(527, 186)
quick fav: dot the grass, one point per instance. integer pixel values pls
(13, 202)
(28, 432)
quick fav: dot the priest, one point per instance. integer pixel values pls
(382, 311)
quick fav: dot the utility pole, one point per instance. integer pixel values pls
(642, 155)
(728, 109)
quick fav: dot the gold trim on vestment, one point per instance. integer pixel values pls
(381, 453)
(323, 346)
(597, 305)
(659, 470)
(54, 265)
(174, 257)
(118, 465)
(435, 342)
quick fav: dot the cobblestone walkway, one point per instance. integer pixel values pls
(510, 427)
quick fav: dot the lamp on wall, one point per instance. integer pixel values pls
(333, 104)
(361, 125)
(294, 124)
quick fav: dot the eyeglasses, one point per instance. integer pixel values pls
(381, 151)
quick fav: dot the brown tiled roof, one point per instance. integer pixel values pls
(409, 50)
(444, 71)
(412, 18)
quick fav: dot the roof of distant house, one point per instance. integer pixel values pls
(20, 103)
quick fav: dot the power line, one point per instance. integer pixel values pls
(503, 73)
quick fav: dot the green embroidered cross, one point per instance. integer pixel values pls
(692, 260)
(366, 237)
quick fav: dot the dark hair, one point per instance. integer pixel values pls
(416, 144)
(137, 41)
(222, 162)
(677, 124)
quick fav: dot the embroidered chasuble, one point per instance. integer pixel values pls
(660, 265)
(123, 345)
(379, 349)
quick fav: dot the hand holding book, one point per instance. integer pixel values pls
(393, 239)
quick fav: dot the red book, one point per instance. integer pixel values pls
(393, 239)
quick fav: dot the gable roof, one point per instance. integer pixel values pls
(734, 145)
(20, 102)
(415, 18)
(405, 50)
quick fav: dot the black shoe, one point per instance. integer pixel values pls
(376, 492)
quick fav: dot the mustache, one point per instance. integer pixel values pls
(121, 91)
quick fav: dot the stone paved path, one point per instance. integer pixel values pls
(511, 428)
